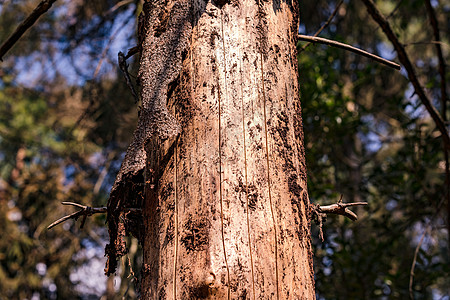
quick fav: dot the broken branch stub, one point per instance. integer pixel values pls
(319, 213)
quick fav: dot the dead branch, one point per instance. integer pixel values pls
(132, 51)
(341, 209)
(319, 213)
(404, 59)
(444, 99)
(442, 71)
(124, 68)
(85, 211)
(42, 7)
(348, 48)
(118, 5)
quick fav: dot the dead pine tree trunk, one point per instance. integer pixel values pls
(219, 147)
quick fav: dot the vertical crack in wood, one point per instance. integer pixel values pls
(175, 256)
(268, 175)
(220, 159)
(246, 180)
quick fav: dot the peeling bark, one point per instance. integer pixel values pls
(167, 29)
(219, 147)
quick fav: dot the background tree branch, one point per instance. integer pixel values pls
(313, 39)
(444, 99)
(42, 7)
(404, 59)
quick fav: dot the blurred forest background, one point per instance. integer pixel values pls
(67, 116)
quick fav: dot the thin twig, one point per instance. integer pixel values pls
(124, 67)
(104, 172)
(404, 59)
(394, 10)
(108, 45)
(411, 273)
(349, 48)
(118, 5)
(85, 211)
(330, 18)
(447, 193)
(426, 43)
(428, 228)
(135, 279)
(105, 50)
(42, 7)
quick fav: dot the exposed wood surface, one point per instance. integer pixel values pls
(226, 206)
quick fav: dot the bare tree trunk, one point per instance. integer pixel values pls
(226, 206)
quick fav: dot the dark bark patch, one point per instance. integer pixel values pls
(243, 294)
(252, 193)
(134, 224)
(184, 54)
(298, 131)
(277, 50)
(213, 65)
(170, 233)
(116, 248)
(294, 187)
(129, 194)
(162, 292)
(195, 234)
(160, 27)
(261, 27)
(172, 86)
(273, 75)
(305, 200)
(201, 291)
(146, 269)
(296, 191)
(283, 146)
(166, 191)
(220, 3)
(213, 37)
(250, 131)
